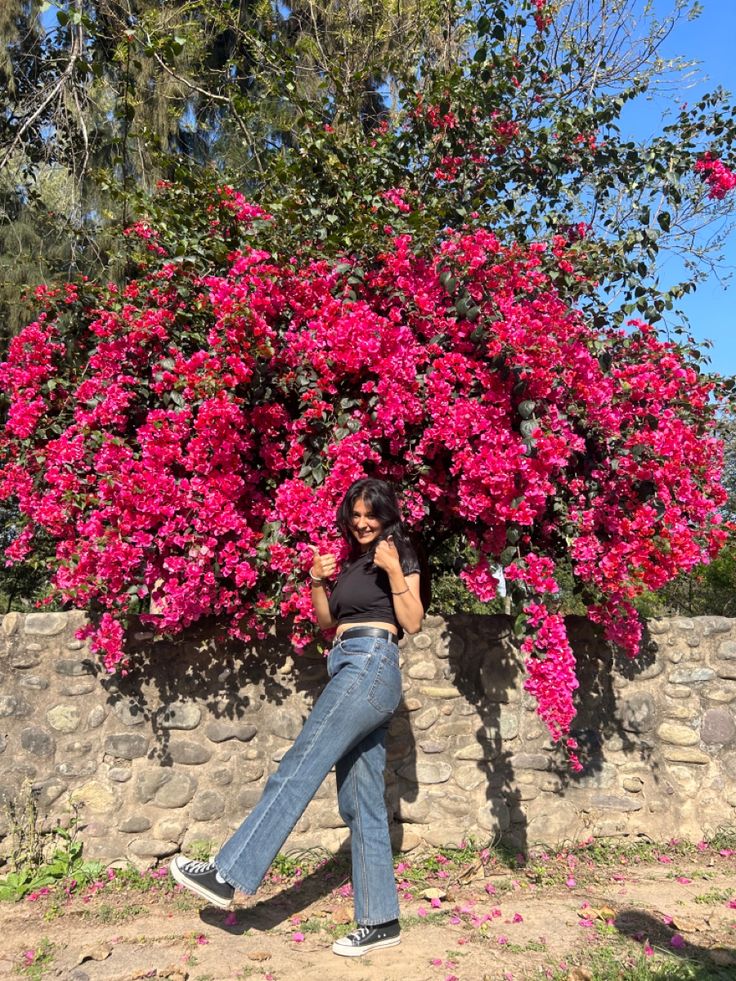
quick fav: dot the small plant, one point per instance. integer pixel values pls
(285, 865)
(38, 861)
(25, 841)
(202, 849)
(36, 961)
(724, 838)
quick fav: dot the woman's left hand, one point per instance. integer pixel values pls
(386, 556)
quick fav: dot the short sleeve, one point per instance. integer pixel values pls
(410, 562)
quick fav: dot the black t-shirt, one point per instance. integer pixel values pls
(362, 591)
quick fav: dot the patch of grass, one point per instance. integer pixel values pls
(533, 946)
(113, 913)
(407, 922)
(724, 838)
(130, 879)
(611, 963)
(606, 851)
(713, 897)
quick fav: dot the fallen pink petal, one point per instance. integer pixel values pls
(677, 941)
(297, 938)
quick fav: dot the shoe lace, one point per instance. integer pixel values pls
(194, 867)
(360, 934)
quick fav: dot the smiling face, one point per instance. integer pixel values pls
(363, 525)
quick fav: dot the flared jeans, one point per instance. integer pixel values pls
(346, 729)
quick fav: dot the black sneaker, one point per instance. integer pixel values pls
(367, 938)
(204, 879)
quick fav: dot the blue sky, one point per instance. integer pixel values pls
(711, 40)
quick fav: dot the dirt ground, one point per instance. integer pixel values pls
(567, 916)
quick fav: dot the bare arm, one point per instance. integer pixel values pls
(323, 566)
(404, 589)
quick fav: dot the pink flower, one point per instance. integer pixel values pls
(201, 939)
(571, 882)
(517, 918)
(677, 941)
(683, 880)
(435, 903)
(297, 938)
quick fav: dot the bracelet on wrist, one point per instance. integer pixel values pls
(400, 592)
(317, 580)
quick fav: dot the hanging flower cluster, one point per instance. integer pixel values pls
(186, 439)
(718, 177)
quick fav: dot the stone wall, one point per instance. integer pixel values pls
(179, 752)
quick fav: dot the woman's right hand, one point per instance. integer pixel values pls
(323, 564)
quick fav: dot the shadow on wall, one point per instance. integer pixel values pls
(524, 777)
(230, 680)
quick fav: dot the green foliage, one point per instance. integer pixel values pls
(25, 582)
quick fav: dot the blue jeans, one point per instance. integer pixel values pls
(346, 729)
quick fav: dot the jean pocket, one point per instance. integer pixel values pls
(385, 692)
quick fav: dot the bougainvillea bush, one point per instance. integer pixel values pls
(185, 439)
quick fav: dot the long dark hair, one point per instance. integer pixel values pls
(380, 497)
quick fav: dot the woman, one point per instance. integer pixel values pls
(375, 598)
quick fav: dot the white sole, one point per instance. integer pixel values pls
(179, 877)
(345, 951)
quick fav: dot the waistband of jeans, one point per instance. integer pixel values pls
(368, 632)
